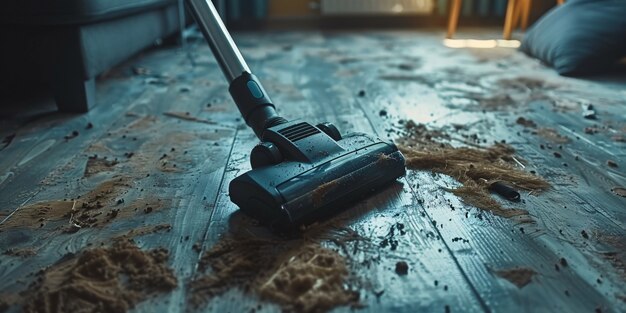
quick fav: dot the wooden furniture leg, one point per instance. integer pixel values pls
(453, 21)
(526, 5)
(508, 21)
(74, 94)
(559, 2)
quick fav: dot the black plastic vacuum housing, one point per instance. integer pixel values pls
(300, 172)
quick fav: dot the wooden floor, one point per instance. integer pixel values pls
(172, 112)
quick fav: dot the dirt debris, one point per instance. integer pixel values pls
(612, 163)
(519, 277)
(89, 210)
(614, 251)
(299, 275)
(187, 117)
(551, 135)
(111, 279)
(475, 167)
(97, 165)
(526, 122)
(620, 191)
(21, 252)
(319, 194)
(144, 230)
(312, 280)
(71, 135)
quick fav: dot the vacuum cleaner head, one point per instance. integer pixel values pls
(302, 173)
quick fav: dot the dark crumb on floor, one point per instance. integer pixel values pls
(520, 277)
(402, 268)
(563, 262)
(74, 134)
(6, 141)
(382, 112)
(89, 126)
(525, 122)
(148, 210)
(611, 163)
(361, 93)
(557, 155)
(113, 214)
(584, 234)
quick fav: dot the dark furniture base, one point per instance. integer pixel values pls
(68, 57)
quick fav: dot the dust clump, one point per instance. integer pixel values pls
(312, 280)
(476, 168)
(300, 275)
(112, 279)
(614, 251)
(552, 135)
(145, 230)
(526, 122)
(21, 252)
(96, 165)
(519, 277)
(94, 208)
(187, 117)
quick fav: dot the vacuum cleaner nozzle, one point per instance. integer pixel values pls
(302, 173)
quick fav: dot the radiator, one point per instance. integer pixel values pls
(376, 7)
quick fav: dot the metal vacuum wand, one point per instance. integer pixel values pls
(253, 102)
(222, 45)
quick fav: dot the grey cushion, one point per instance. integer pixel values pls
(580, 37)
(71, 11)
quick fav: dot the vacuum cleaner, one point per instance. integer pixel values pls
(301, 172)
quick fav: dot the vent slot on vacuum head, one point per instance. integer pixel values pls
(299, 131)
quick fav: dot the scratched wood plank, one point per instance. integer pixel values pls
(498, 245)
(176, 167)
(40, 146)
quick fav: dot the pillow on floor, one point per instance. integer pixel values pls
(580, 37)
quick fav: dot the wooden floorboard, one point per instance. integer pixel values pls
(188, 142)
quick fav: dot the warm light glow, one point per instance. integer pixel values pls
(509, 43)
(480, 44)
